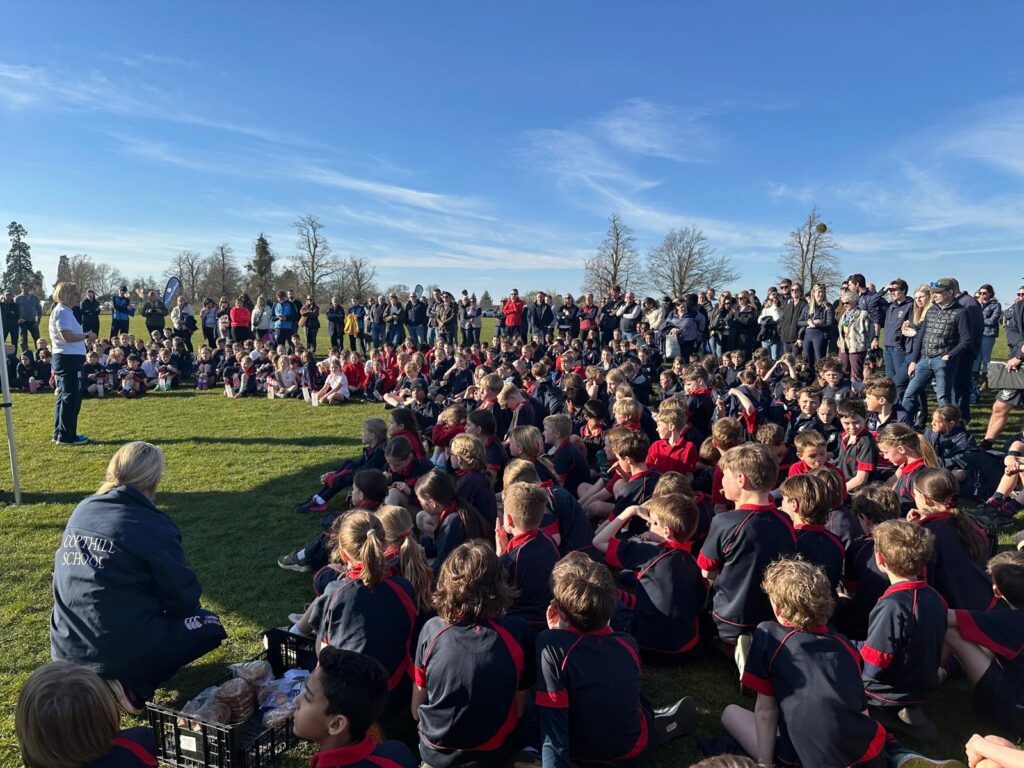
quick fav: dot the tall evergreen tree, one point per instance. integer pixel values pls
(63, 270)
(485, 300)
(261, 267)
(19, 259)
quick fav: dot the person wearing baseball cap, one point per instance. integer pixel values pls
(945, 339)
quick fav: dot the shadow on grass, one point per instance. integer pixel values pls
(308, 442)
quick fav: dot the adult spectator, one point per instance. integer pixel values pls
(721, 332)
(285, 319)
(377, 325)
(30, 310)
(569, 317)
(90, 307)
(241, 319)
(336, 324)
(433, 304)
(588, 315)
(743, 324)
(683, 324)
(607, 319)
(262, 318)
(416, 319)
(354, 325)
(126, 604)
(817, 325)
(68, 341)
(471, 322)
(9, 310)
(785, 286)
(789, 328)
(208, 322)
(629, 313)
(754, 300)
(541, 317)
(709, 297)
(513, 310)
(854, 337)
(945, 335)
(894, 342)
(154, 311)
(1007, 399)
(309, 319)
(183, 322)
(870, 301)
(296, 304)
(768, 321)
(394, 319)
(967, 363)
(121, 311)
(992, 318)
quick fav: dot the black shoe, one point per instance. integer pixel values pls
(309, 506)
(291, 562)
(917, 724)
(675, 720)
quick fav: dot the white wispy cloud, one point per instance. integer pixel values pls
(992, 133)
(646, 128)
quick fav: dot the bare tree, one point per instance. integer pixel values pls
(189, 267)
(616, 261)
(223, 277)
(108, 279)
(82, 272)
(357, 279)
(810, 255)
(685, 263)
(314, 264)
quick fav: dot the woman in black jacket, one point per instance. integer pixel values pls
(743, 324)
(336, 323)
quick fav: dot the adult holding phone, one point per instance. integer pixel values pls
(69, 348)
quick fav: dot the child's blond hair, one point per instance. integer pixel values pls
(906, 547)
(398, 526)
(800, 592)
(525, 505)
(728, 433)
(560, 424)
(628, 407)
(470, 451)
(754, 461)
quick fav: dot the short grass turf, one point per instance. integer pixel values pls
(234, 470)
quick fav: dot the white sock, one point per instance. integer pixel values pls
(301, 554)
(318, 500)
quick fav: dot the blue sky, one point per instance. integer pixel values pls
(483, 145)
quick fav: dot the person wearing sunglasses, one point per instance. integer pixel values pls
(945, 340)
(992, 317)
(1007, 399)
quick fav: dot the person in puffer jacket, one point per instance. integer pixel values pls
(125, 603)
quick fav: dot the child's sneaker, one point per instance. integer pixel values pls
(291, 562)
(911, 760)
(309, 507)
(675, 720)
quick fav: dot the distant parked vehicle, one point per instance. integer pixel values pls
(106, 306)
(488, 313)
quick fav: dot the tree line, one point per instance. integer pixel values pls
(685, 261)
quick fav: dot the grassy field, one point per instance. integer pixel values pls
(234, 469)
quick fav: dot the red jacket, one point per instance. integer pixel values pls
(513, 312)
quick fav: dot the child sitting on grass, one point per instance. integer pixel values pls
(67, 716)
(373, 436)
(988, 645)
(663, 614)
(906, 632)
(444, 520)
(474, 665)
(811, 704)
(858, 452)
(589, 674)
(342, 699)
(473, 486)
(910, 453)
(805, 499)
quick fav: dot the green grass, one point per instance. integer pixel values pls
(234, 469)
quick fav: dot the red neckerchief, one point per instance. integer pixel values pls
(355, 572)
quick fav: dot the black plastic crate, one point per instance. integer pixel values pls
(244, 745)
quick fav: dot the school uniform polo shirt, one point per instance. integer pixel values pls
(366, 754)
(1002, 632)
(898, 415)
(903, 649)
(414, 441)
(865, 583)
(528, 560)
(665, 457)
(377, 620)
(494, 453)
(570, 466)
(566, 518)
(857, 455)
(801, 423)
(638, 489)
(740, 545)
(819, 546)
(449, 533)
(670, 593)
(586, 681)
(132, 748)
(801, 468)
(904, 485)
(958, 577)
(815, 676)
(472, 673)
(475, 489)
(417, 468)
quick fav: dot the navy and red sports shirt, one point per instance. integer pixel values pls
(366, 754)
(958, 577)
(474, 488)
(471, 672)
(821, 547)
(815, 676)
(865, 583)
(903, 649)
(571, 466)
(859, 454)
(377, 621)
(740, 545)
(585, 679)
(700, 409)
(529, 560)
(565, 517)
(904, 487)
(638, 489)
(670, 593)
(132, 748)
(1002, 632)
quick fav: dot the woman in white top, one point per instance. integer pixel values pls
(69, 341)
(262, 318)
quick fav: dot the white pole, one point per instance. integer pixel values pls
(5, 387)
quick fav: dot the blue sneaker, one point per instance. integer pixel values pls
(79, 440)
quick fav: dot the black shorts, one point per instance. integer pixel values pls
(1012, 397)
(996, 696)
